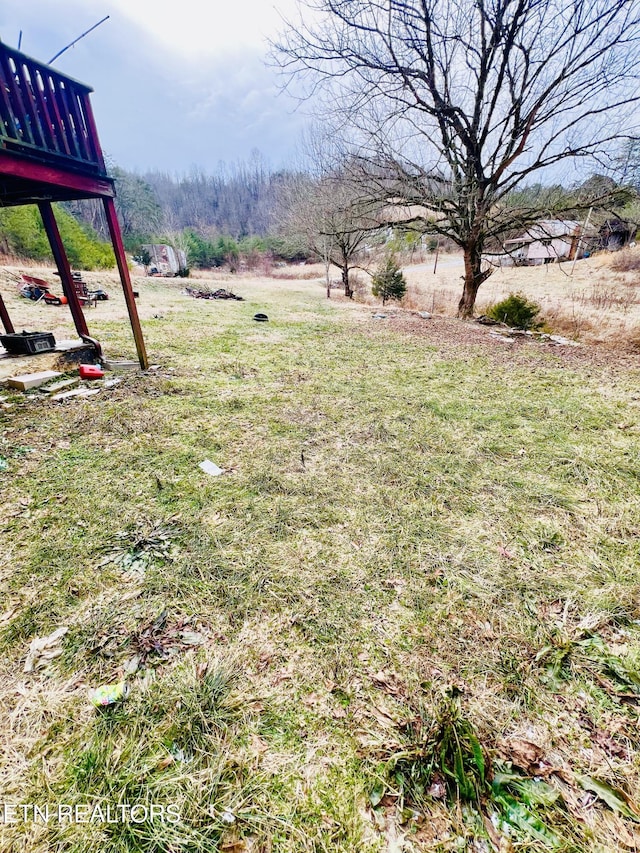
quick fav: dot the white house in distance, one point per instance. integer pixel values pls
(545, 242)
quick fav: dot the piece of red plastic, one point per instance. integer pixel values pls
(91, 371)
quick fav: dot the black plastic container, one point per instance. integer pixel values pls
(28, 343)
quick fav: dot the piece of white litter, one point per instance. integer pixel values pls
(565, 342)
(42, 650)
(210, 467)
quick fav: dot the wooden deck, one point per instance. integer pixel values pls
(50, 151)
(49, 146)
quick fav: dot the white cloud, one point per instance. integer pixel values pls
(176, 82)
(195, 29)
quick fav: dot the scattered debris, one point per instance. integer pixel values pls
(379, 316)
(205, 293)
(86, 296)
(32, 380)
(43, 650)
(505, 339)
(37, 289)
(108, 694)
(76, 392)
(559, 340)
(260, 318)
(3, 464)
(425, 315)
(210, 467)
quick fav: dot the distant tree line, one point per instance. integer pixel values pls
(245, 215)
(218, 219)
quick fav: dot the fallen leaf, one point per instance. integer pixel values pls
(522, 753)
(389, 682)
(258, 745)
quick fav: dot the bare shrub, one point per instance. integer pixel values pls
(361, 287)
(258, 262)
(604, 298)
(568, 319)
(627, 260)
(633, 339)
(414, 299)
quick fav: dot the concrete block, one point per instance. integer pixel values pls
(32, 380)
(59, 386)
(121, 364)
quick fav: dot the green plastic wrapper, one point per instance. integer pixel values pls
(108, 694)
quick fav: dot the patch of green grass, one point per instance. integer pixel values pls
(392, 519)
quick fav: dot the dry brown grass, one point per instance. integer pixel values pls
(627, 260)
(594, 304)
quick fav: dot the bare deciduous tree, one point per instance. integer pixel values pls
(333, 220)
(453, 104)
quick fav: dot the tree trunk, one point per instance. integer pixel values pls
(327, 269)
(473, 278)
(345, 280)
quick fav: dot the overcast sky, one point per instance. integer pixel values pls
(178, 83)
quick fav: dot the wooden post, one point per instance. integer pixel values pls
(6, 320)
(123, 269)
(62, 262)
(583, 231)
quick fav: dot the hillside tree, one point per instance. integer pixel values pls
(453, 104)
(332, 219)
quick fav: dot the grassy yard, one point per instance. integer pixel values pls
(406, 617)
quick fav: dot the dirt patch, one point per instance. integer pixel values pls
(453, 338)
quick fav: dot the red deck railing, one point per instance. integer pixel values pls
(45, 115)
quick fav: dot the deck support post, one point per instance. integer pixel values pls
(125, 278)
(6, 320)
(62, 262)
